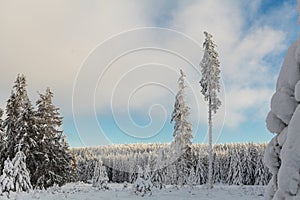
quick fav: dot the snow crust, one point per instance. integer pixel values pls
(81, 191)
(297, 91)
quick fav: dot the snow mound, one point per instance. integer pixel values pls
(274, 124)
(297, 91)
(282, 155)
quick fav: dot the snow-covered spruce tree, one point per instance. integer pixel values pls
(182, 133)
(85, 168)
(234, 166)
(20, 125)
(2, 142)
(210, 70)
(21, 173)
(13, 113)
(261, 171)
(201, 168)
(56, 163)
(158, 176)
(26, 136)
(143, 184)
(192, 178)
(216, 167)
(250, 159)
(7, 178)
(100, 178)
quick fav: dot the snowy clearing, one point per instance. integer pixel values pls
(81, 191)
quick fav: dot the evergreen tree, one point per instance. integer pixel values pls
(2, 142)
(9, 125)
(14, 106)
(158, 177)
(261, 171)
(182, 133)
(217, 167)
(21, 173)
(250, 155)
(210, 86)
(57, 164)
(7, 178)
(192, 179)
(233, 173)
(143, 184)
(27, 136)
(20, 125)
(100, 177)
(1, 126)
(201, 168)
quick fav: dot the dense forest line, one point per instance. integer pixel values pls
(234, 164)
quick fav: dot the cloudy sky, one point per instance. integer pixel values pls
(113, 65)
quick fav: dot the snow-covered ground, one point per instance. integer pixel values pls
(81, 191)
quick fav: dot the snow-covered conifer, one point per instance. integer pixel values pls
(20, 125)
(234, 167)
(210, 86)
(56, 164)
(182, 133)
(261, 171)
(7, 178)
(192, 179)
(13, 122)
(201, 168)
(143, 184)
(158, 176)
(20, 173)
(100, 178)
(2, 142)
(182, 129)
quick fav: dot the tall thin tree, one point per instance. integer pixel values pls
(181, 144)
(210, 70)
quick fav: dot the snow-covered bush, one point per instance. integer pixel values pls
(143, 187)
(15, 176)
(7, 177)
(143, 184)
(100, 177)
(125, 185)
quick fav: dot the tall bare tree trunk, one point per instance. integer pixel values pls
(210, 155)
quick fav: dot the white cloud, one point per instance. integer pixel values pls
(48, 42)
(242, 50)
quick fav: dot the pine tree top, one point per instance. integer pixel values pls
(210, 70)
